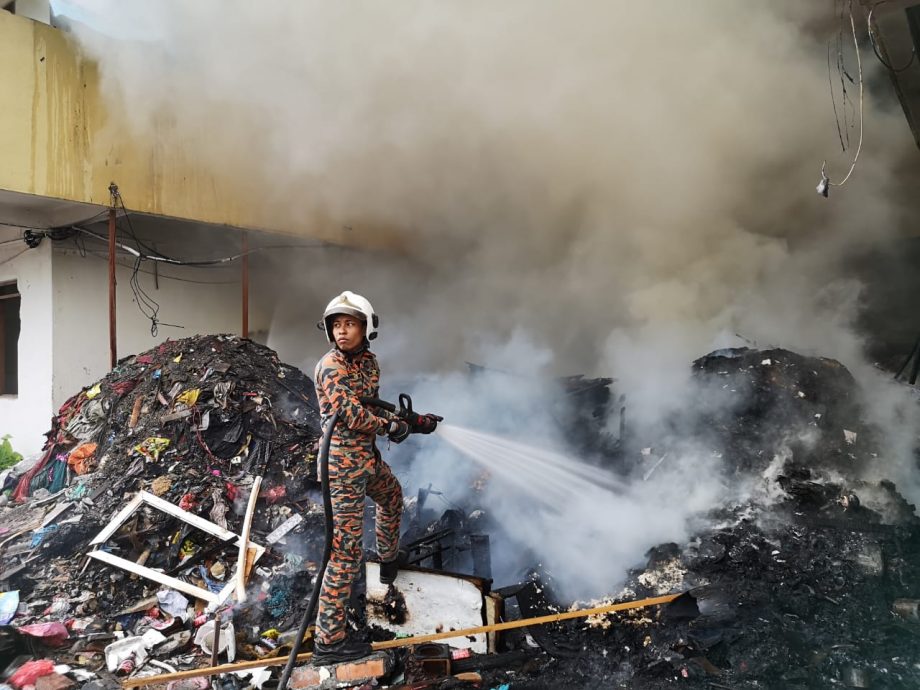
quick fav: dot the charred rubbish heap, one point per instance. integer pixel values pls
(124, 543)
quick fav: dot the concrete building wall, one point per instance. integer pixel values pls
(201, 300)
(26, 416)
(59, 138)
(64, 338)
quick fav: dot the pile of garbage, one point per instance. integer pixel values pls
(194, 424)
(813, 582)
(810, 582)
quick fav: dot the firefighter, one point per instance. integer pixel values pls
(348, 372)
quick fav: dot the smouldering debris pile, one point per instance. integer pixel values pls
(192, 422)
(807, 578)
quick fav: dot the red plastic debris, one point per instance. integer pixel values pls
(52, 634)
(275, 494)
(188, 502)
(123, 387)
(31, 671)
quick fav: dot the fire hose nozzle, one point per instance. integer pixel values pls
(404, 410)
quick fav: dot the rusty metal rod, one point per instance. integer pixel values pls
(245, 281)
(215, 639)
(408, 641)
(113, 346)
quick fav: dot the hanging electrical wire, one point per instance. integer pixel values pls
(196, 262)
(119, 199)
(825, 183)
(16, 255)
(160, 276)
(146, 303)
(873, 40)
(830, 83)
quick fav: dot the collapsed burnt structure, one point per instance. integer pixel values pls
(809, 579)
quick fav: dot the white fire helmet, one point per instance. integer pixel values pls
(353, 305)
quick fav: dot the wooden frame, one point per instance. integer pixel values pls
(144, 497)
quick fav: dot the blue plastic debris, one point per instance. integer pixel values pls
(39, 535)
(9, 603)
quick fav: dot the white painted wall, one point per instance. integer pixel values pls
(81, 331)
(27, 416)
(64, 340)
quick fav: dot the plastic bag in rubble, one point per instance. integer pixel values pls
(189, 397)
(9, 602)
(53, 634)
(204, 638)
(151, 447)
(39, 534)
(173, 603)
(31, 671)
(81, 458)
(259, 676)
(136, 647)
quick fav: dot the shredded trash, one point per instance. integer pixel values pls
(814, 588)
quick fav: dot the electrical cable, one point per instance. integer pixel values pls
(841, 71)
(46, 228)
(825, 182)
(830, 83)
(164, 259)
(198, 263)
(163, 276)
(10, 258)
(874, 43)
(120, 199)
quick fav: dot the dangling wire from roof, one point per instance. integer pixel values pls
(875, 48)
(826, 183)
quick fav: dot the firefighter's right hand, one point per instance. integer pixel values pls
(399, 431)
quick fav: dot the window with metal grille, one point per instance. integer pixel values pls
(9, 339)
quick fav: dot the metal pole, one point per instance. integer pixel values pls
(245, 252)
(113, 347)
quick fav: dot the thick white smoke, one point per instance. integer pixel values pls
(601, 187)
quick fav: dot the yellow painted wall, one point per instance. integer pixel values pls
(57, 140)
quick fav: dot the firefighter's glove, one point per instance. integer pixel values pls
(424, 423)
(399, 431)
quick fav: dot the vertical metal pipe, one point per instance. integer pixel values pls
(113, 342)
(215, 640)
(245, 252)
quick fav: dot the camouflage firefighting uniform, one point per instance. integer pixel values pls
(356, 470)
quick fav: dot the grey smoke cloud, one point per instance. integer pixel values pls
(569, 170)
(600, 187)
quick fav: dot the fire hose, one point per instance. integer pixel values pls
(418, 639)
(322, 458)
